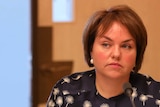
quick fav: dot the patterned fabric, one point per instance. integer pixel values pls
(78, 90)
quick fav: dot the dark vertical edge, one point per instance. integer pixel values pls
(34, 63)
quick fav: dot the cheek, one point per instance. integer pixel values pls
(100, 56)
(130, 59)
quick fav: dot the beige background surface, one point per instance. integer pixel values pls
(67, 42)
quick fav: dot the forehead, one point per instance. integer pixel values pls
(115, 29)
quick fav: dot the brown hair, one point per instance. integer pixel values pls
(101, 20)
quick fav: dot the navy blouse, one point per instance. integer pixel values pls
(78, 90)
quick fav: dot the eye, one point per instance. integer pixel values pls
(127, 46)
(106, 45)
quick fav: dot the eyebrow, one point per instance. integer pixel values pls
(112, 40)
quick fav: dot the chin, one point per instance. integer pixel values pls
(116, 74)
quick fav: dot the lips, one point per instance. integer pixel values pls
(115, 64)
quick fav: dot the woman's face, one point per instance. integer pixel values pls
(114, 53)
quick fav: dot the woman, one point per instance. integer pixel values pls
(114, 43)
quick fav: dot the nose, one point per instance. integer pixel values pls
(116, 53)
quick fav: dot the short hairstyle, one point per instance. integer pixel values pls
(100, 22)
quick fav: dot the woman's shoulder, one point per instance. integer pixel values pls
(145, 84)
(142, 78)
(77, 81)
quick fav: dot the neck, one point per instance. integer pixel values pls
(110, 88)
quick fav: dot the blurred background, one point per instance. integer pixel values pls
(41, 42)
